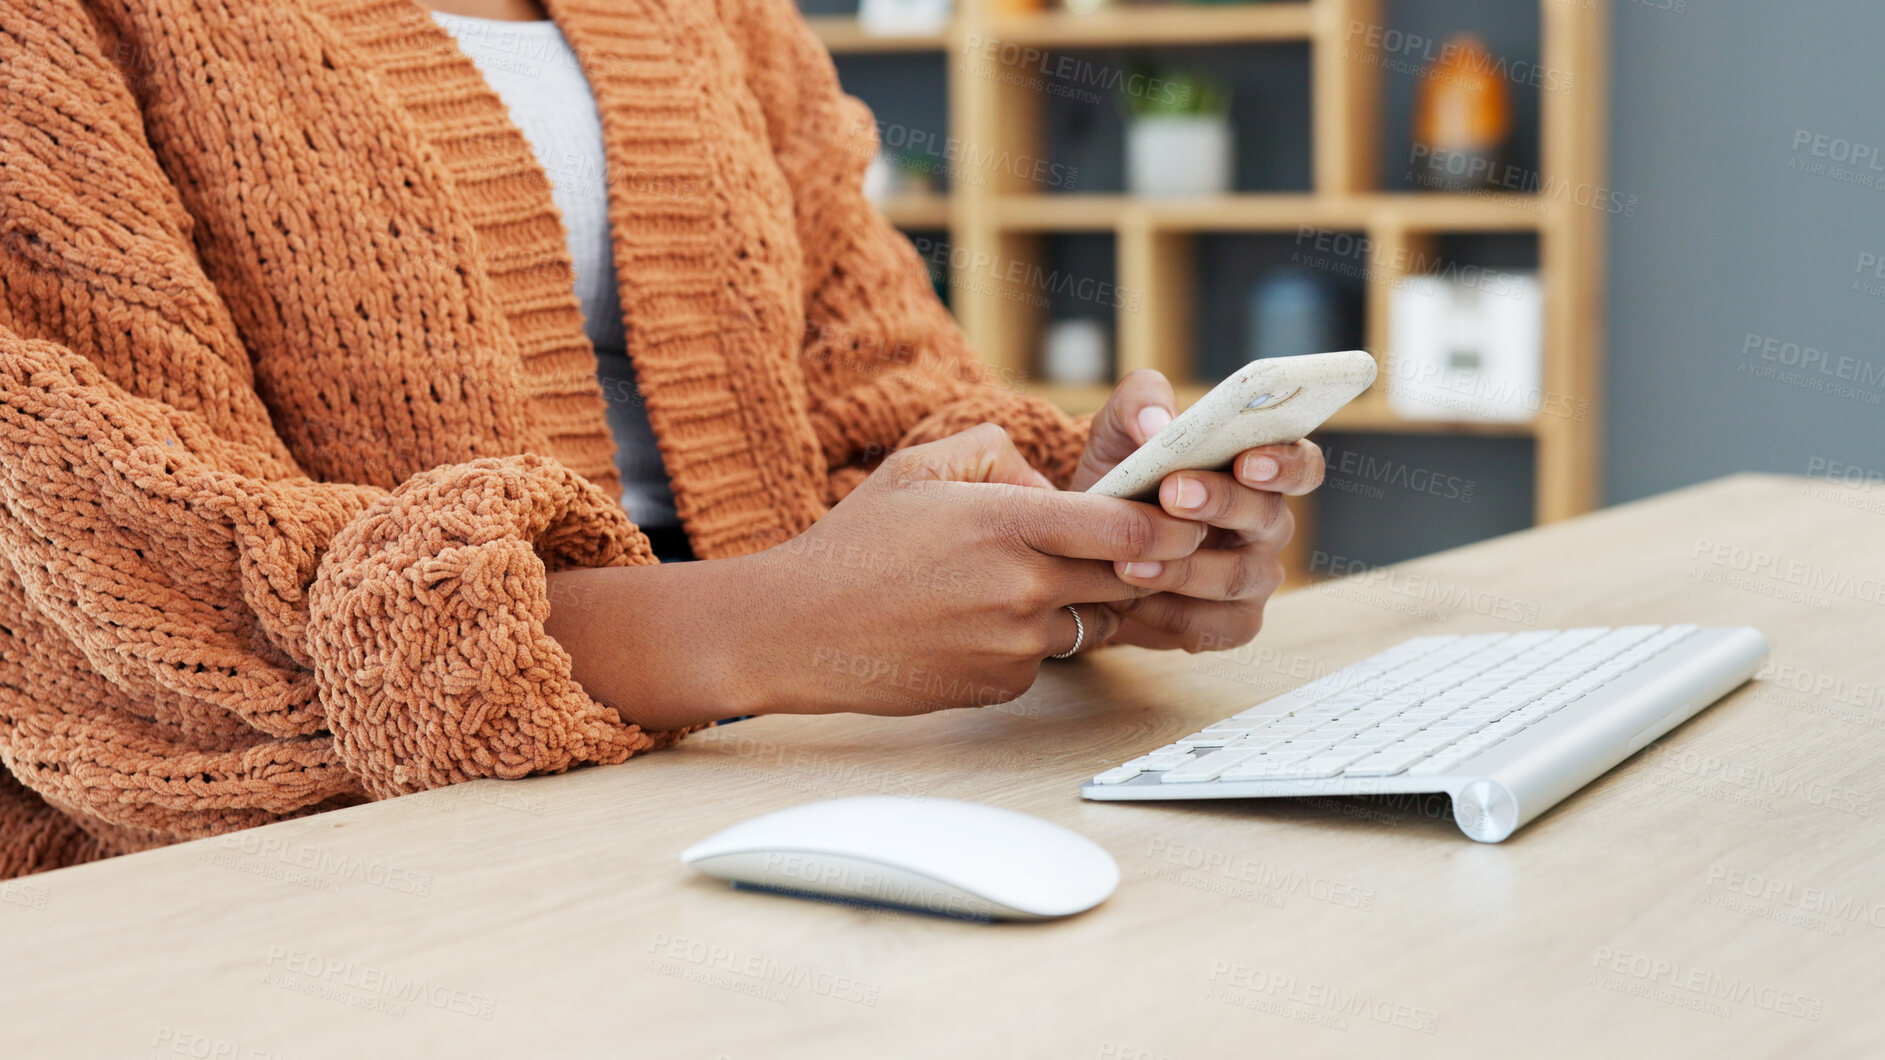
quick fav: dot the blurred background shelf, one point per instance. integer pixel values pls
(1024, 226)
(1259, 212)
(1368, 414)
(1156, 24)
(843, 36)
(925, 210)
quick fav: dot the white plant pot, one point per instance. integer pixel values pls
(1179, 154)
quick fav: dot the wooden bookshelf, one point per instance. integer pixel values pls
(925, 211)
(1156, 24)
(1005, 217)
(843, 36)
(1258, 212)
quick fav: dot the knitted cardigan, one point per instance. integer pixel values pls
(296, 410)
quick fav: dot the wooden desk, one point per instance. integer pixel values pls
(552, 917)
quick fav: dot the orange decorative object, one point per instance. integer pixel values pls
(1464, 107)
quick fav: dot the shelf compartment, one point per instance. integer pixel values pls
(919, 211)
(1159, 24)
(1260, 212)
(1083, 96)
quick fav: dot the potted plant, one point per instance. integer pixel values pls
(1179, 139)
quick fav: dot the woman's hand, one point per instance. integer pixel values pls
(941, 581)
(1213, 598)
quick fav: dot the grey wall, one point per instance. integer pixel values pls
(1732, 238)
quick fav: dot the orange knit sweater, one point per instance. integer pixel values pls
(296, 409)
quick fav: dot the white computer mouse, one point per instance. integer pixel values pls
(936, 855)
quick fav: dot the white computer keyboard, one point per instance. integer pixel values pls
(1507, 724)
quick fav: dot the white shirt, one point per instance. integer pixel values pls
(533, 70)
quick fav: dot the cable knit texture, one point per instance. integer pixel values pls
(297, 413)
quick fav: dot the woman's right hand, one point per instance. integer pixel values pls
(941, 581)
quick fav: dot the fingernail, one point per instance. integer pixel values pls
(1152, 420)
(1260, 469)
(1190, 494)
(1141, 569)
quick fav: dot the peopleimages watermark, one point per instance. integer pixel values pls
(1246, 877)
(922, 150)
(1845, 484)
(1747, 784)
(1402, 589)
(829, 346)
(796, 767)
(1111, 1050)
(499, 46)
(1762, 896)
(1063, 73)
(1021, 280)
(822, 875)
(1255, 663)
(1354, 472)
(508, 794)
(1445, 60)
(1837, 158)
(366, 986)
(1352, 254)
(173, 1041)
(743, 971)
(1816, 583)
(891, 679)
(1843, 472)
(1693, 987)
(1471, 392)
(306, 865)
(1870, 267)
(1429, 167)
(1840, 366)
(1820, 693)
(1311, 1001)
(23, 894)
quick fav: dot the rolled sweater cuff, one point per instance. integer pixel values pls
(426, 628)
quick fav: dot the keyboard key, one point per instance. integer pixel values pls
(1302, 748)
(1437, 765)
(1155, 761)
(1464, 721)
(1307, 769)
(1383, 764)
(1116, 775)
(1204, 768)
(1676, 633)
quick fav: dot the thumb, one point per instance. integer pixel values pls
(1140, 407)
(983, 453)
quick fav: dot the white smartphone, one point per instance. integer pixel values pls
(1271, 401)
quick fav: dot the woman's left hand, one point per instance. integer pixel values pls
(1214, 598)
